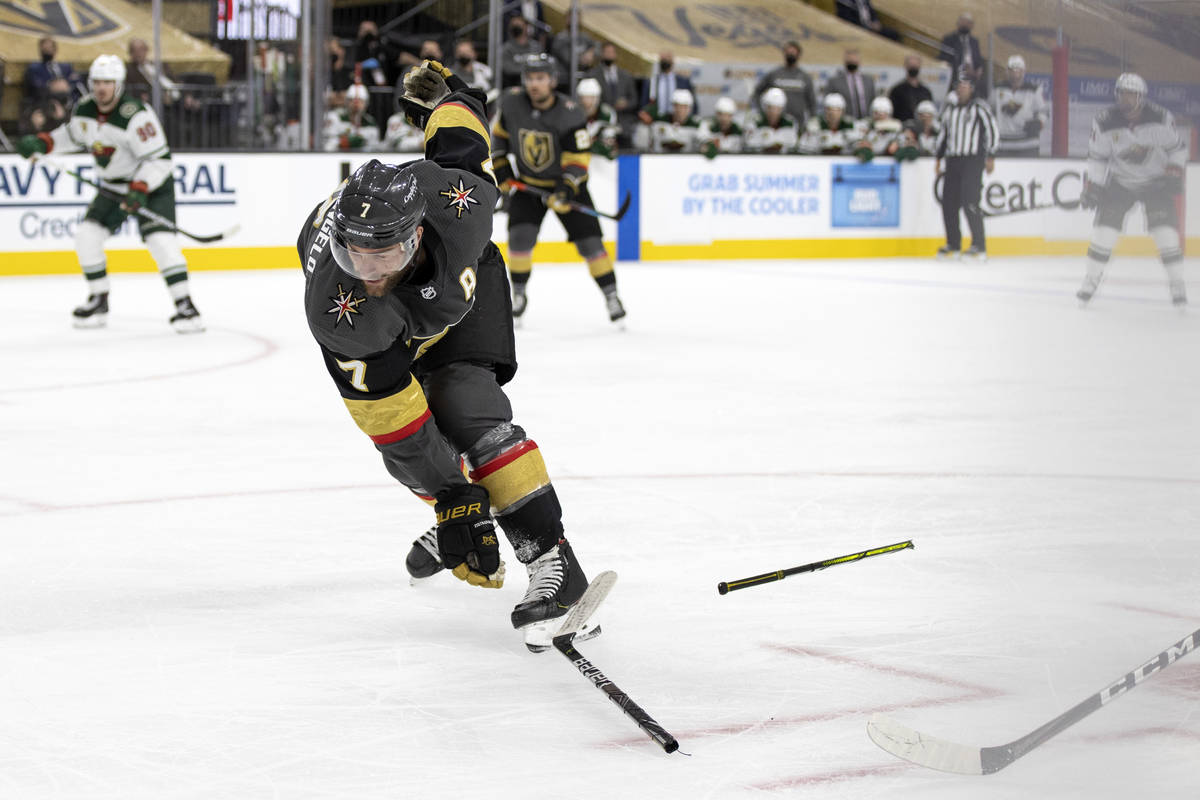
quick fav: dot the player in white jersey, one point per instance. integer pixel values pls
(351, 128)
(679, 130)
(881, 136)
(1136, 155)
(830, 133)
(772, 130)
(602, 124)
(721, 134)
(402, 136)
(1020, 112)
(134, 165)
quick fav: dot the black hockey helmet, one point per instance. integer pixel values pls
(375, 220)
(539, 62)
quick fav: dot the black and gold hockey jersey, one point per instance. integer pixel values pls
(548, 145)
(370, 344)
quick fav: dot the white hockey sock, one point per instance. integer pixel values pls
(164, 247)
(1169, 251)
(1100, 249)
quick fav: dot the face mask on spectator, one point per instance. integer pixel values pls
(63, 98)
(964, 29)
(791, 59)
(465, 60)
(47, 57)
(515, 31)
(851, 66)
(665, 66)
(608, 62)
(914, 72)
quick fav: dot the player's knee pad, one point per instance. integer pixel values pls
(164, 248)
(1162, 215)
(522, 238)
(1104, 239)
(590, 247)
(1167, 239)
(89, 243)
(511, 468)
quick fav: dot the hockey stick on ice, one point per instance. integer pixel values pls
(145, 213)
(928, 751)
(544, 193)
(564, 642)
(768, 577)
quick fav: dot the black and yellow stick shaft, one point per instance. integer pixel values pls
(770, 577)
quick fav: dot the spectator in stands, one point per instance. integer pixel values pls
(796, 83)
(477, 75)
(341, 73)
(677, 131)
(856, 89)
(535, 20)
(515, 50)
(369, 56)
(960, 49)
(662, 87)
(860, 12)
(602, 124)
(52, 111)
(1020, 112)
(772, 130)
(36, 84)
(141, 75)
(721, 134)
(617, 88)
(908, 93)
(830, 133)
(561, 46)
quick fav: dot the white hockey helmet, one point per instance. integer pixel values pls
(1134, 84)
(927, 107)
(588, 87)
(774, 97)
(356, 92)
(725, 105)
(107, 68)
(835, 100)
(1016, 62)
(881, 105)
(681, 97)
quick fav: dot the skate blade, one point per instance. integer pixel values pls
(188, 326)
(537, 644)
(94, 321)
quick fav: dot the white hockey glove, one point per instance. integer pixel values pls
(426, 85)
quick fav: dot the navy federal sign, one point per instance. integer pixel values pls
(63, 19)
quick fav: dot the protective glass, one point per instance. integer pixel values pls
(373, 266)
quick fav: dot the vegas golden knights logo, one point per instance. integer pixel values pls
(63, 19)
(537, 149)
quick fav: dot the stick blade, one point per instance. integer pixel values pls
(624, 207)
(926, 751)
(587, 604)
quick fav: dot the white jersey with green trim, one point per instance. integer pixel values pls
(127, 142)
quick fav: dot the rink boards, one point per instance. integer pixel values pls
(684, 207)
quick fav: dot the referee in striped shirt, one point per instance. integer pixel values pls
(968, 141)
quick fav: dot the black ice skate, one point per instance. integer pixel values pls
(616, 310)
(1178, 294)
(556, 582)
(93, 313)
(519, 302)
(945, 253)
(187, 318)
(1088, 289)
(975, 254)
(423, 560)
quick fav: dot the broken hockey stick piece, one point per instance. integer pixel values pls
(565, 644)
(144, 213)
(934, 753)
(575, 206)
(769, 577)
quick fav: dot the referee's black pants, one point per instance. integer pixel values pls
(961, 188)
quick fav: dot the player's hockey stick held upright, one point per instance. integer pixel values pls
(928, 751)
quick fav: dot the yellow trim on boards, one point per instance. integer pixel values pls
(64, 262)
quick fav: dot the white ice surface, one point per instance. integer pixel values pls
(202, 590)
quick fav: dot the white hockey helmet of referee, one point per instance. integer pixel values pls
(1130, 92)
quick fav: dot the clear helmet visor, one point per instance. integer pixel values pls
(373, 265)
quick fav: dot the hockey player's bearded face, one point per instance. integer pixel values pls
(539, 86)
(381, 269)
(105, 92)
(1130, 103)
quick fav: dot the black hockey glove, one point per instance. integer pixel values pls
(502, 168)
(426, 85)
(1033, 127)
(1091, 196)
(467, 539)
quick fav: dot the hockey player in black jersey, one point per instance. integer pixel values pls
(547, 134)
(408, 299)
(1135, 155)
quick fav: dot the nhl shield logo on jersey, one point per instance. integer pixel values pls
(460, 197)
(537, 148)
(429, 293)
(345, 305)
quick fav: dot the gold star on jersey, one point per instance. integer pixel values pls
(345, 305)
(460, 197)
